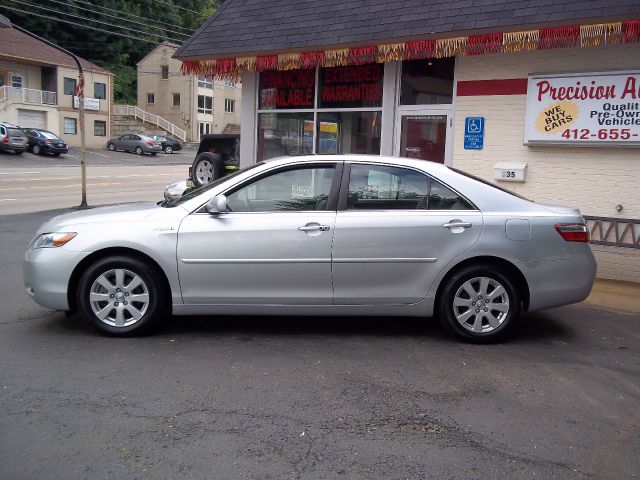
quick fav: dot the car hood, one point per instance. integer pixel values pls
(124, 213)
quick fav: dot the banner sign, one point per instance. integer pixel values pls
(89, 103)
(352, 86)
(282, 89)
(587, 108)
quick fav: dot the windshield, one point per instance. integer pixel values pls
(497, 187)
(198, 191)
(49, 135)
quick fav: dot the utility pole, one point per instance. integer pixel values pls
(6, 23)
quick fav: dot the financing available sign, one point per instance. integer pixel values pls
(588, 108)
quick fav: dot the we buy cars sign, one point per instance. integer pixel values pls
(595, 108)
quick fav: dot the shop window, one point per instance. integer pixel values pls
(164, 72)
(69, 86)
(151, 98)
(349, 132)
(229, 105)
(70, 126)
(176, 99)
(205, 104)
(100, 128)
(427, 82)
(284, 134)
(353, 86)
(287, 89)
(296, 189)
(99, 90)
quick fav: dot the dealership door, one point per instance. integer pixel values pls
(424, 133)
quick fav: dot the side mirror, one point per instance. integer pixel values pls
(217, 205)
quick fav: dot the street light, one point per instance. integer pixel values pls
(6, 23)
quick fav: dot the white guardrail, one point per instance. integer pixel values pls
(137, 112)
(28, 95)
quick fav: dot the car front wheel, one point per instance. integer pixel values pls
(121, 296)
(111, 147)
(479, 303)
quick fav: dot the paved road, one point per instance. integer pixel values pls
(30, 183)
(312, 398)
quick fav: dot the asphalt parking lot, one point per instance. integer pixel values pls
(317, 398)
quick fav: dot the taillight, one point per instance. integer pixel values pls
(573, 232)
(149, 142)
(48, 142)
(5, 139)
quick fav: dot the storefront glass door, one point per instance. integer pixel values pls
(423, 134)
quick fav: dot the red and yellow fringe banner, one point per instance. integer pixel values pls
(509, 42)
(561, 37)
(484, 44)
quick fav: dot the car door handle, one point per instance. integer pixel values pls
(311, 228)
(458, 225)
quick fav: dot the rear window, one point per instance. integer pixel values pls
(497, 187)
(49, 135)
(15, 132)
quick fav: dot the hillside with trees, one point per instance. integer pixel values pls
(114, 34)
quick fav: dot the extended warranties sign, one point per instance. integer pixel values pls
(587, 108)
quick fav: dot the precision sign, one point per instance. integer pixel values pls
(588, 108)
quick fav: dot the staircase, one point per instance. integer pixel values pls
(137, 113)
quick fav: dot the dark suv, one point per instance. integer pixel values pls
(12, 139)
(217, 156)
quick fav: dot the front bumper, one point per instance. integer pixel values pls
(47, 272)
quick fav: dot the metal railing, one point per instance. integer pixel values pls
(615, 232)
(136, 112)
(28, 96)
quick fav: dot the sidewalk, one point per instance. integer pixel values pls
(615, 295)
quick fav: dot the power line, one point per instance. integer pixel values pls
(118, 17)
(181, 8)
(189, 30)
(155, 42)
(50, 10)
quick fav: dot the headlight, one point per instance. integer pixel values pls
(51, 240)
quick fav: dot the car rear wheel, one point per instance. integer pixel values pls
(138, 150)
(207, 167)
(111, 147)
(36, 150)
(121, 296)
(479, 303)
(168, 149)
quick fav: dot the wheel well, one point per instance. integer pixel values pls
(505, 266)
(108, 252)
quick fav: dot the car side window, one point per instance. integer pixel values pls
(378, 187)
(296, 189)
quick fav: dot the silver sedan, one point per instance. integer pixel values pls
(323, 235)
(133, 142)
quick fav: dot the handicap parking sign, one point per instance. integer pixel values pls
(474, 133)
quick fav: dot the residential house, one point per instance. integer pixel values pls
(37, 89)
(199, 105)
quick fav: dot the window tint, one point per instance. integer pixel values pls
(295, 189)
(376, 187)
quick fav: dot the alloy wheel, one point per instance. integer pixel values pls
(168, 149)
(204, 172)
(119, 297)
(481, 304)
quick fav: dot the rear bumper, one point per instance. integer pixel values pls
(12, 147)
(560, 282)
(49, 149)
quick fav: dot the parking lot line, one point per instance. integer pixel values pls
(99, 154)
(8, 199)
(17, 173)
(47, 179)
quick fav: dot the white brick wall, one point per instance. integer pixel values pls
(594, 179)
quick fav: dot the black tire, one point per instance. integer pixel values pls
(139, 151)
(17, 152)
(217, 170)
(154, 153)
(56, 154)
(479, 306)
(168, 149)
(157, 296)
(111, 147)
(37, 150)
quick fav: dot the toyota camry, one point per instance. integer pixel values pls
(322, 235)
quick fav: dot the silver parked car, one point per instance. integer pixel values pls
(135, 142)
(323, 235)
